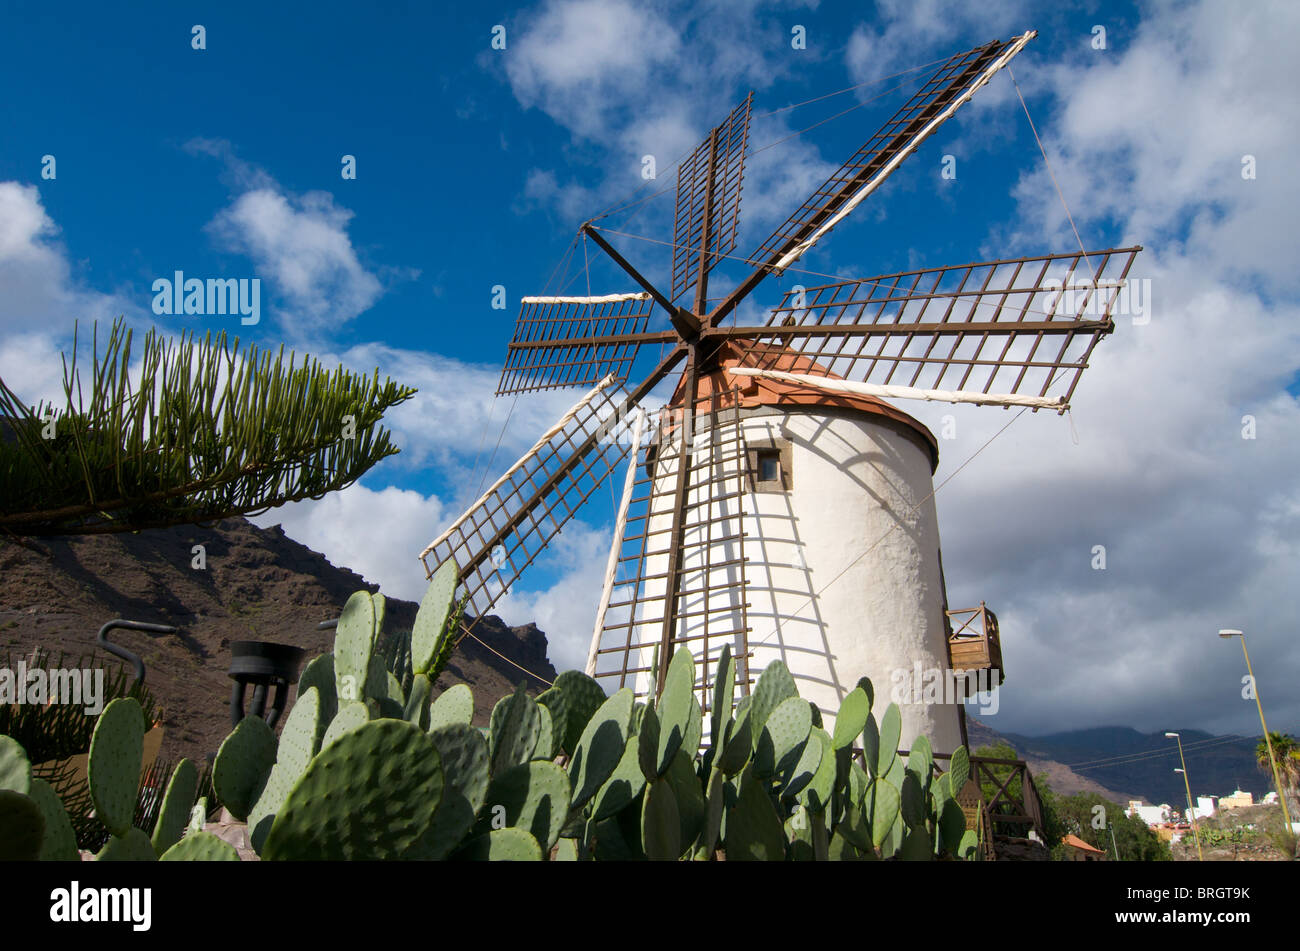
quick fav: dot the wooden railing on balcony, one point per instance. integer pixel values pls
(1014, 808)
(975, 645)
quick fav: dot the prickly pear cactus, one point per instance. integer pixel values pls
(242, 765)
(354, 640)
(431, 619)
(372, 794)
(399, 773)
(59, 843)
(200, 847)
(15, 769)
(113, 770)
(174, 814)
(22, 827)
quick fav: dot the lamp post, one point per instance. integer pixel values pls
(1191, 812)
(1277, 781)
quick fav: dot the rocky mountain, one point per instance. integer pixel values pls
(250, 584)
(1123, 758)
(1061, 778)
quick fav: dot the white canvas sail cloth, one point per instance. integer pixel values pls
(905, 392)
(602, 299)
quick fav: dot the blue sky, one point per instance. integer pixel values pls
(475, 166)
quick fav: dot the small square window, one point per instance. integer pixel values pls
(769, 467)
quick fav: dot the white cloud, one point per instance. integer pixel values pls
(627, 82)
(300, 242)
(578, 59)
(917, 31)
(40, 297)
(376, 533)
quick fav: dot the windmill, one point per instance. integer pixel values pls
(778, 504)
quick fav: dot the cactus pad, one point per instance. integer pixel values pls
(417, 704)
(532, 796)
(453, 705)
(354, 640)
(372, 794)
(113, 769)
(502, 845)
(623, 786)
(545, 749)
(891, 729)
(724, 691)
(958, 770)
(352, 714)
(881, 804)
(22, 827)
(132, 847)
(516, 725)
(754, 830)
(573, 699)
(600, 747)
(431, 619)
(177, 802)
(464, 753)
(775, 685)
(60, 842)
(674, 707)
(784, 735)
(852, 718)
(201, 847)
(297, 746)
(15, 768)
(319, 673)
(660, 825)
(242, 765)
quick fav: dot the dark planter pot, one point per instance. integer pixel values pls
(262, 665)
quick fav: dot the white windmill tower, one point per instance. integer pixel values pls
(778, 504)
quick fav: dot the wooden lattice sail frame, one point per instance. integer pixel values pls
(1003, 332)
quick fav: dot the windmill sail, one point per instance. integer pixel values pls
(708, 200)
(574, 341)
(950, 87)
(1011, 326)
(506, 529)
(709, 607)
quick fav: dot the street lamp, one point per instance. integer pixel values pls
(1277, 782)
(1191, 813)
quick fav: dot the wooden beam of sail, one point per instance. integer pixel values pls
(620, 525)
(505, 530)
(911, 146)
(905, 392)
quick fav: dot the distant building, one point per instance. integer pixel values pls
(1076, 850)
(1270, 799)
(1151, 815)
(1205, 806)
(1238, 800)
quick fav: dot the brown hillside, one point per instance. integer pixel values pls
(259, 584)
